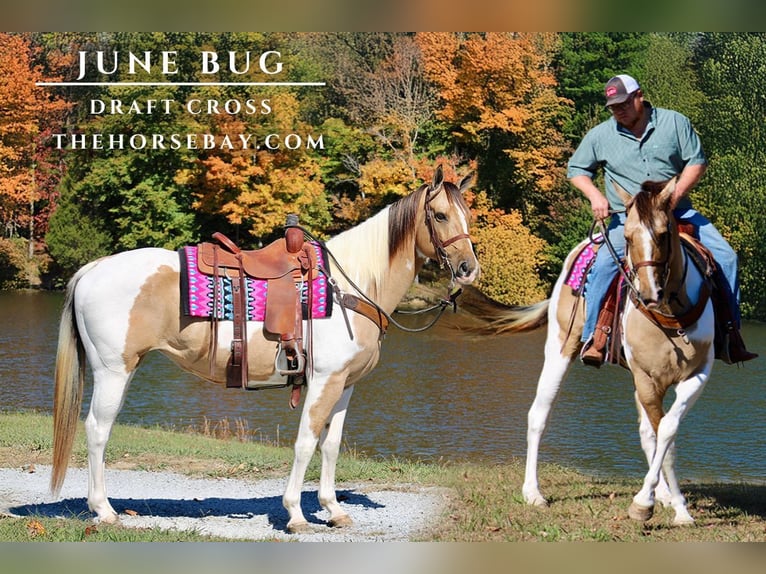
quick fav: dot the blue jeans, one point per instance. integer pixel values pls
(605, 268)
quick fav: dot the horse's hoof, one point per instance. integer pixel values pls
(341, 521)
(683, 519)
(641, 513)
(108, 519)
(298, 527)
(537, 500)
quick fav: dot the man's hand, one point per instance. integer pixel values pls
(600, 206)
(598, 201)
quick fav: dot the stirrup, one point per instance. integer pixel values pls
(289, 366)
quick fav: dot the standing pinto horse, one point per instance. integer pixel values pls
(667, 338)
(119, 308)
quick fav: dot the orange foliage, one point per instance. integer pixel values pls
(501, 81)
(263, 207)
(257, 188)
(25, 111)
(382, 179)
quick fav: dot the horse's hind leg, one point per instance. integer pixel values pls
(548, 385)
(329, 445)
(108, 395)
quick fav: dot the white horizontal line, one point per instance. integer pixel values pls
(180, 83)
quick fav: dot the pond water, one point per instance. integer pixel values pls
(437, 395)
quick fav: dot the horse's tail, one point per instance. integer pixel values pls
(516, 319)
(68, 389)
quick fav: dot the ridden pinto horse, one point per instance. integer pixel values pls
(119, 308)
(660, 348)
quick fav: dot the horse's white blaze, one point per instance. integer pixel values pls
(463, 222)
(647, 254)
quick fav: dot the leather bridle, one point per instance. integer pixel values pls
(665, 263)
(439, 245)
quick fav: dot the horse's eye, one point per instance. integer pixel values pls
(440, 217)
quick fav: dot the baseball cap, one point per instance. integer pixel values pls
(619, 88)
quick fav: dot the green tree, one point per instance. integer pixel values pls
(74, 237)
(583, 65)
(733, 77)
(668, 75)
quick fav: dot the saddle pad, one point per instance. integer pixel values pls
(579, 269)
(197, 291)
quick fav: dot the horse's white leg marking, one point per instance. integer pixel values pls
(649, 446)
(675, 497)
(109, 390)
(321, 398)
(554, 370)
(329, 445)
(687, 393)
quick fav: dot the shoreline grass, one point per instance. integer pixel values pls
(485, 504)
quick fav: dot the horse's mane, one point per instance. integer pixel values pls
(367, 249)
(401, 220)
(362, 252)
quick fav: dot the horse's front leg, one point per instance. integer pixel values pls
(329, 446)
(649, 446)
(548, 385)
(687, 393)
(321, 397)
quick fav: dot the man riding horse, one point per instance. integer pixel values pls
(642, 143)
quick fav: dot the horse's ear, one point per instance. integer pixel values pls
(623, 195)
(466, 182)
(666, 195)
(438, 179)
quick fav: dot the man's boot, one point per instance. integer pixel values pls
(734, 345)
(593, 354)
(594, 351)
(729, 345)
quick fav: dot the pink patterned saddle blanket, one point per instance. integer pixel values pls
(581, 265)
(197, 290)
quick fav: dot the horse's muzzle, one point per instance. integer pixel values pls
(466, 273)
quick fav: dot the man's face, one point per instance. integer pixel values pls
(629, 112)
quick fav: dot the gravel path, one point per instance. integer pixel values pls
(230, 508)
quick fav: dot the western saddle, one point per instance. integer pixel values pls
(282, 263)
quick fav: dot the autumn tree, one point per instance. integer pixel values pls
(27, 172)
(498, 95)
(251, 188)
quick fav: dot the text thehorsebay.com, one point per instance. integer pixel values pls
(236, 64)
